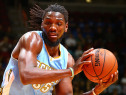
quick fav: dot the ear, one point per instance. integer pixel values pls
(42, 25)
(66, 27)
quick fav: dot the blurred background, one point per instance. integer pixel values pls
(92, 23)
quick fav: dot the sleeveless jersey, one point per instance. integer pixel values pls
(12, 84)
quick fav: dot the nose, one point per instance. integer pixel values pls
(53, 27)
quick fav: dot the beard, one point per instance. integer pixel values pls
(50, 43)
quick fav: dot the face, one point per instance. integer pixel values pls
(54, 25)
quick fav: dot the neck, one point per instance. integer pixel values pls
(53, 51)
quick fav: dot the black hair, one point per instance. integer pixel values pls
(37, 14)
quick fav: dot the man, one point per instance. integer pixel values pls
(39, 62)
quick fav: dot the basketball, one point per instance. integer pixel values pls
(103, 64)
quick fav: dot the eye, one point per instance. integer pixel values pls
(47, 23)
(59, 23)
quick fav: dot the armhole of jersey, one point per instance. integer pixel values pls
(40, 34)
(67, 59)
(64, 55)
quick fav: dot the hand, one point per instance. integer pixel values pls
(82, 60)
(102, 86)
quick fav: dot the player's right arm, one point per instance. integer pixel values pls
(26, 51)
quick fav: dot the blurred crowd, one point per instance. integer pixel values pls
(98, 30)
(86, 30)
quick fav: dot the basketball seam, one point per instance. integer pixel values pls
(86, 70)
(94, 69)
(103, 62)
(105, 75)
(110, 70)
(102, 68)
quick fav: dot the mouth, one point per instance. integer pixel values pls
(52, 35)
(52, 41)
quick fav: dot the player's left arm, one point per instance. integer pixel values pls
(99, 88)
(64, 87)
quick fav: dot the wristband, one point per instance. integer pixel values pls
(93, 91)
(72, 71)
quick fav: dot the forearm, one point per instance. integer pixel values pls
(89, 93)
(30, 73)
(40, 76)
(96, 90)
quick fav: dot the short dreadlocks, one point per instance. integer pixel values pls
(37, 14)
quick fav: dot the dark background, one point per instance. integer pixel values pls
(98, 24)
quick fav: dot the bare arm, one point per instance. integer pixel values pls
(64, 87)
(26, 52)
(30, 45)
(102, 86)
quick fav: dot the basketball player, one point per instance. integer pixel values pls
(39, 62)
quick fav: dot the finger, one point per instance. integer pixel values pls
(117, 74)
(85, 62)
(89, 50)
(84, 57)
(111, 78)
(115, 78)
(100, 82)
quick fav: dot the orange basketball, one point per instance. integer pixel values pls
(103, 64)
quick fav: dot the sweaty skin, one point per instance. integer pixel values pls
(30, 45)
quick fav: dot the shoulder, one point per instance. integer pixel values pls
(71, 61)
(31, 40)
(31, 35)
